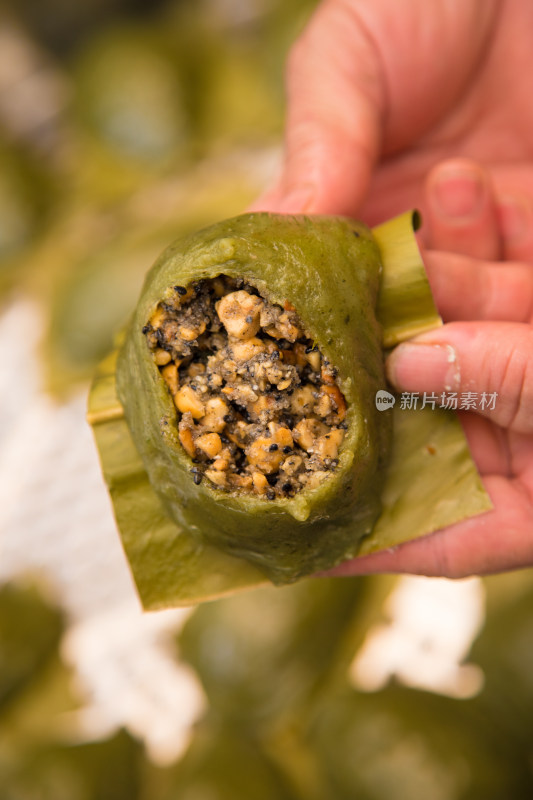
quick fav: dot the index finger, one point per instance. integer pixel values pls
(467, 289)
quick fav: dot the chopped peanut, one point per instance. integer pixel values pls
(170, 375)
(314, 359)
(223, 460)
(162, 357)
(242, 481)
(327, 376)
(307, 431)
(239, 313)
(324, 405)
(190, 333)
(291, 464)
(327, 446)
(260, 454)
(280, 434)
(337, 398)
(247, 349)
(218, 478)
(215, 411)
(241, 394)
(264, 403)
(188, 400)
(187, 441)
(238, 435)
(303, 400)
(157, 318)
(210, 444)
(260, 482)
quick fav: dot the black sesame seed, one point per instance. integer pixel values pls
(249, 319)
(287, 449)
(286, 487)
(272, 479)
(196, 476)
(309, 349)
(146, 328)
(180, 290)
(273, 447)
(227, 417)
(270, 495)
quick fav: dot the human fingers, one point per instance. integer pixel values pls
(461, 211)
(359, 91)
(486, 366)
(333, 126)
(488, 444)
(513, 191)
(498, 540)
(515, 222)
(468, 289)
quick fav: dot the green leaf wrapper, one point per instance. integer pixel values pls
(189, 543)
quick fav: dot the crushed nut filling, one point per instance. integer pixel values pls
(259, 409)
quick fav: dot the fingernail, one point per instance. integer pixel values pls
(299, 200)
(458, 192)
(423, 367)
(514, 216)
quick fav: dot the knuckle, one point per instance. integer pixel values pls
(517, 385)
(445, 562)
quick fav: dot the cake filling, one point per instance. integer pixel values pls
(259, 408)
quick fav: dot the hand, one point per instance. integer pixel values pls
(378, 94)
(488, 310)
(377, 99)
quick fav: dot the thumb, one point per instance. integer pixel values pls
(485, 367)
(333, 127)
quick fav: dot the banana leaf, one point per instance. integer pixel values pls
(431, 480)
